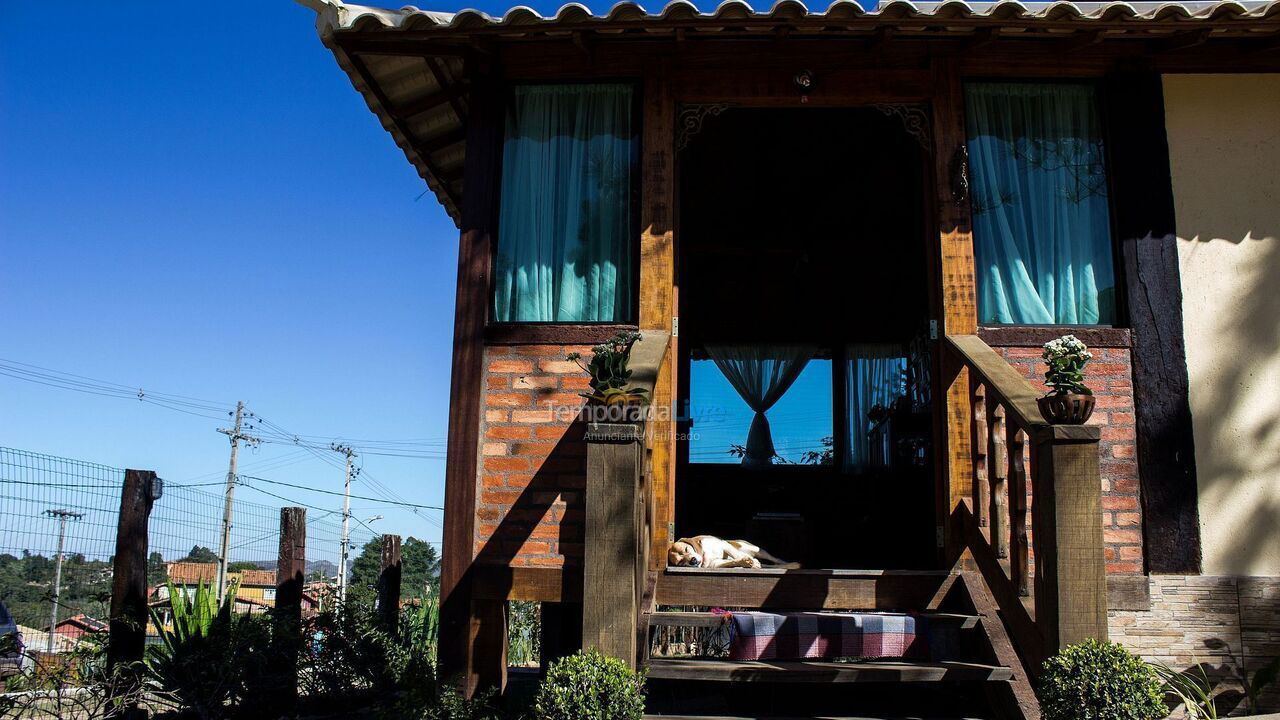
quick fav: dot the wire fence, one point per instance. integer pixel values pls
(50, 503)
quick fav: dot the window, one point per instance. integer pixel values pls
(1041, 223)
(875, 378)
(761, 405)
(568, 216)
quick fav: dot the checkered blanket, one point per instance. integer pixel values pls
(780, 636)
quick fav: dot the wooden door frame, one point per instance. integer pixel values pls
(950, 268)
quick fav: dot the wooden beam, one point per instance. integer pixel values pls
(958, 314)
(466, 633)
(430, 102)
(445, 139)
(814, 671)
(610, 597)
(375, 44)
(291, 571)
(128, 622)
(658, 294)
(825, 589)
(1142, 195)
(455, 99)
(389, 584)
(540, 584)
(1017, 697)
(375, 89)
(1180, 41)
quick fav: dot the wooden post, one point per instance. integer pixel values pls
(128, 626)
(470, 653)
(389, 584)
(610, 598)
(1070, 578)
(291, 569)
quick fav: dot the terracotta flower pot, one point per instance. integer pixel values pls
(1067, 409)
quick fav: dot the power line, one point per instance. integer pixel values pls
(332, 492)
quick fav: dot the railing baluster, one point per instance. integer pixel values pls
(999, 485)
(1019, 558)
(981, 441)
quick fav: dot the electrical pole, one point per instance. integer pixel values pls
(63, 516)
(346, 520)
(235, 435)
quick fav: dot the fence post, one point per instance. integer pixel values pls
(291, 571)
(389, 584)
(128, 626)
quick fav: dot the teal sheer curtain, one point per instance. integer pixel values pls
(1041, 224)
(874, 375)
(565, 227)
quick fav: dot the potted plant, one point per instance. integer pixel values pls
(610, 376)
(1068, 402)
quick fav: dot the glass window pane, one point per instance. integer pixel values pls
(799, 422)
(566, 222)
(1041, 222)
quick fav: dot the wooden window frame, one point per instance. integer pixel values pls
(583, 332)
(995, 331)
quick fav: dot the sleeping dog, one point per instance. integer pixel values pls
(709, 551)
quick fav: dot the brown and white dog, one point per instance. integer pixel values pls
(709, 551)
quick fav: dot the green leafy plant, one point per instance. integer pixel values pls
(524, 630)
(608, 369)
(1194, 692)
(1066, 358)
(210, 659)
(1097, 680)
(590, 686)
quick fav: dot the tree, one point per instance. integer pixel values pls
(157, 571)
(200, 554)
(242, 565)
(419, 569)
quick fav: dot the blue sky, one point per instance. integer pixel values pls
(202, 205)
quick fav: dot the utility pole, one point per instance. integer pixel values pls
(63, 516)
(346, 520)
(235, 435)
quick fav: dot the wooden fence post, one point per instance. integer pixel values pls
(389, 584)
(1070, 578)
(128, 626)
(291, 570)
(610, 596)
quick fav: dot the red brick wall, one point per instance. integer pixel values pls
(1109, 376)
(532, 458)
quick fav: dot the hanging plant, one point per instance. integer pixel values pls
(609, 373)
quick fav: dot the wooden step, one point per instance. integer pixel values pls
(802, 589)
(668, 618)
(813, 671)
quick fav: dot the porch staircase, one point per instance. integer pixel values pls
(979, 678)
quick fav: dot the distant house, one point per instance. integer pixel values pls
(255, 589)
(77, 626)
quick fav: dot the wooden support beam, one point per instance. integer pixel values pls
(455, 100)
(374, 44)
(1180, 41)
(443, 140)
(430, 102)
(818, 589)
(463, 623)
(389, 585)
(610, 596)
(291, 570)
(128, 625)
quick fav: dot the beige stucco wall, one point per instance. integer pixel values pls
(1224, 152)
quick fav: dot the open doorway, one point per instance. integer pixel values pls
(804, 305)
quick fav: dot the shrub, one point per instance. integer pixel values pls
(1099, 681)
(590, 686)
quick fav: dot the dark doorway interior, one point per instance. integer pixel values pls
(802, 235)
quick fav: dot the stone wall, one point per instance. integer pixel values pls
(1222, 624)
(533, 458)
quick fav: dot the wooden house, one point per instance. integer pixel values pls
(934, 189)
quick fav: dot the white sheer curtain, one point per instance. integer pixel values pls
(761, 374)
(874, 376)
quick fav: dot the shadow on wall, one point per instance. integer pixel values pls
(1232, 313)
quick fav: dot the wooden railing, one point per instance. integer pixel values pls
(1059, 533)
(616, 556)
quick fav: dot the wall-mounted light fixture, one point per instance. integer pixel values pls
(804, 81)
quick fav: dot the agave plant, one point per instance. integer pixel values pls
(207, 654)
(608, 369)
